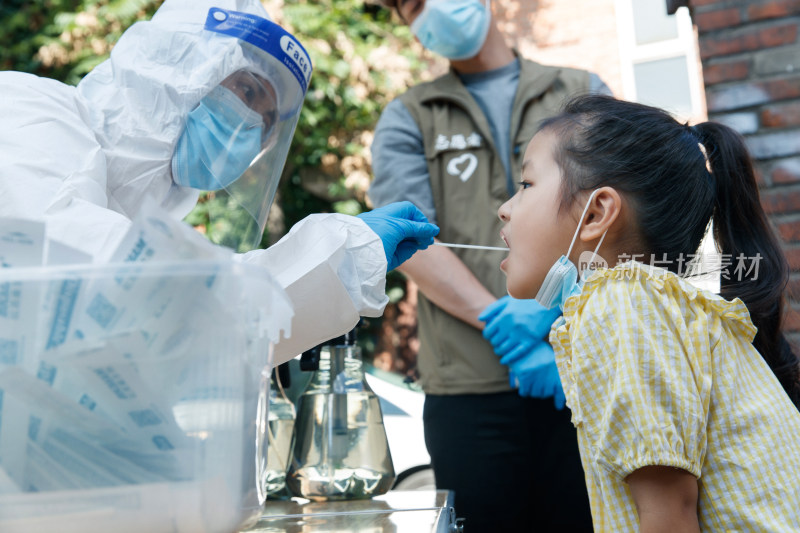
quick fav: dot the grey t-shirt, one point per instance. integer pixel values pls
(398, 156)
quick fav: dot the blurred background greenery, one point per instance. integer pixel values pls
(362, 59)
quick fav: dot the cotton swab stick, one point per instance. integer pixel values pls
(473, 246)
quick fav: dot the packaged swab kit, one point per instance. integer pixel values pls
(133, 392)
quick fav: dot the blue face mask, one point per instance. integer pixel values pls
(455, 29)
(221, 139)
(561, 280)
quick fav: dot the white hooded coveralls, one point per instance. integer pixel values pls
(84, 158)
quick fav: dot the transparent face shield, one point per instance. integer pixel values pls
(248, 194)
(237, 139)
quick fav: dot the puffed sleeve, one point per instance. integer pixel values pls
(634, 357)
(333, 268)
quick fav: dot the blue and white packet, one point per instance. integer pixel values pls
(21, 245)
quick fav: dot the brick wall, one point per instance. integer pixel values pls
(751, 67)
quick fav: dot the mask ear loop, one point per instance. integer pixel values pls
(578, 229)
(594, 253)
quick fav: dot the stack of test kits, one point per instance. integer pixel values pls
(130, 392)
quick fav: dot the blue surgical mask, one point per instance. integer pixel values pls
(221, 139)
(562, 280)
(455, 29)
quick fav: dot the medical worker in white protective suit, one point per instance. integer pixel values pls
(205, 96)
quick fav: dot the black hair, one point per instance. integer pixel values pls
(677, 178)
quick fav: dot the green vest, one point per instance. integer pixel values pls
(469, 184)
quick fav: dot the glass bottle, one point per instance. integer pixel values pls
(280, 437)
(341, 451)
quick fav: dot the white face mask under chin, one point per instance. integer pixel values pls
(561, 280)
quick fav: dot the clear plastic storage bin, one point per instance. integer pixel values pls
(133, 397)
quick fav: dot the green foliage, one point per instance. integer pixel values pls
(25, 26)
(362, 60)
(64, 39)
(224, 221)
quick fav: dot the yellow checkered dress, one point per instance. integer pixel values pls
(658, 372)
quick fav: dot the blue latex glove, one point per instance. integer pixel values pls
(517, 330)
(536, 375)
(514, 327)
(403, 229)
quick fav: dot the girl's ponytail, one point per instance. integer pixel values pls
(754, 268)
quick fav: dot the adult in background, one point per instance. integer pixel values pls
(454, 148)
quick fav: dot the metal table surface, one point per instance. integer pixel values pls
(417, 511)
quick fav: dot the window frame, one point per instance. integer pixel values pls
(684, 45)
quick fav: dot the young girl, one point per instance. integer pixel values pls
(683, 399)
